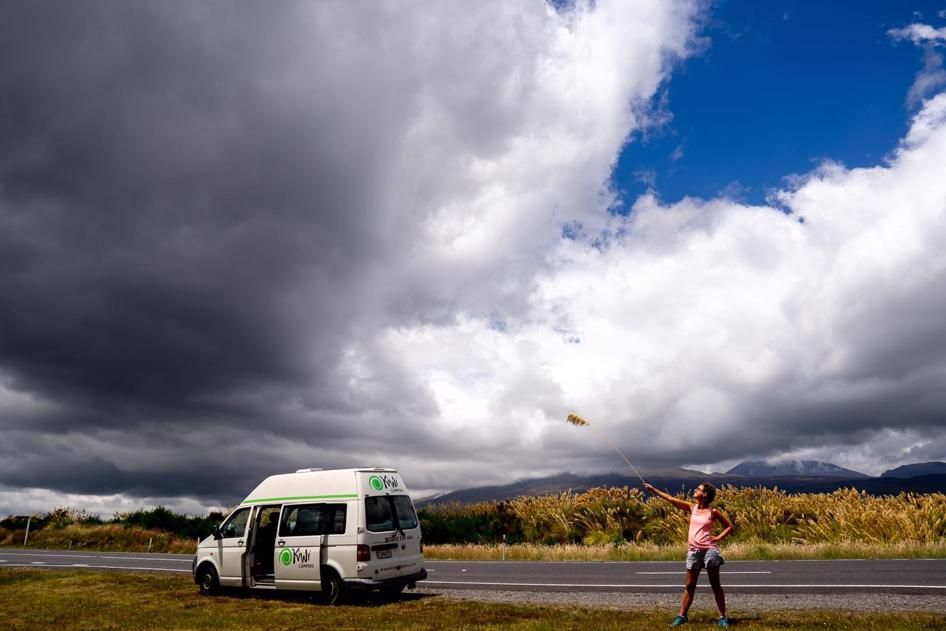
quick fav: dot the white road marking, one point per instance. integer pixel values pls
(675, 585)
(104, 567)
(726, 572)
(99, 556)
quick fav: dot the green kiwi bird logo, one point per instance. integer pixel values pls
(285, 557)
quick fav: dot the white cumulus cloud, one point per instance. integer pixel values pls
(707, 330)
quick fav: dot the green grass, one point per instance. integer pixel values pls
(87, 600)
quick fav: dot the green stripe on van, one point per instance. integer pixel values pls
(345, 496)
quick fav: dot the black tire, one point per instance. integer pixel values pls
(333, 588)
(208, 580)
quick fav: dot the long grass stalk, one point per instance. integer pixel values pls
(578, 421)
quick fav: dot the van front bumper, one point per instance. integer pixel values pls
(369, 583)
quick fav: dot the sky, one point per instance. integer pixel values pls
(240, 239)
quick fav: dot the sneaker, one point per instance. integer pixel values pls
(678, 621)
(724, 622)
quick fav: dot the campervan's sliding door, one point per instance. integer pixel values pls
(304, 542)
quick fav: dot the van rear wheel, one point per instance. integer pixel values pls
(208, 580)
(333, 588)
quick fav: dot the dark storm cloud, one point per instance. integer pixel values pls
(179, 231)
(142, 465)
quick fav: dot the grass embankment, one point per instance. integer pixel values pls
(39, 600)
(102, 537)
(742, 551)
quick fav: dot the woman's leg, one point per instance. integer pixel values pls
(713, 573)
(692, 575)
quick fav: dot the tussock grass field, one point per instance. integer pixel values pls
(607, 515)
(623, 524)
(33, 600)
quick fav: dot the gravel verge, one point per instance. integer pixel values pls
(736, 602)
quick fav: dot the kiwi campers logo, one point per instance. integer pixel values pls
(289, 556)
(383, 482)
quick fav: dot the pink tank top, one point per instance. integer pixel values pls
(701, 529)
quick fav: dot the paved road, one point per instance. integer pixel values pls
(897, 576)
(925, 577)
(127, 561)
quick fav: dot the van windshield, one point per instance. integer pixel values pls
(236, 525)
(382, 513)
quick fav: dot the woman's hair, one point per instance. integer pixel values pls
(710, 491)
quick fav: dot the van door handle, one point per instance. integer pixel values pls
(240, 542)
(281, 542)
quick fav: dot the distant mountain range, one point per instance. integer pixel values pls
(798, 476)
(914, 470)
(761, 469)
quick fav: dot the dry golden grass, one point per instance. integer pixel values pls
(771, 516)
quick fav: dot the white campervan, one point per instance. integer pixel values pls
(314, 530)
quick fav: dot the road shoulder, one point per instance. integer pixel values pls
(740, 602)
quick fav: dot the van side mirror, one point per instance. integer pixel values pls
(217, 534)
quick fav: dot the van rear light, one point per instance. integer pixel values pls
(421, 545)
(363, 553)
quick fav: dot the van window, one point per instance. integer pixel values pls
(236, 525)
(313, 519)
(406, 517)
(378, 514)
(381, 512)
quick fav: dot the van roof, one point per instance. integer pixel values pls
(311, 469)
(332, 484)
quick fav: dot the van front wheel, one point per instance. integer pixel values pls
(333, 589)
(208, 581)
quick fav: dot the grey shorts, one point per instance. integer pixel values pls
(698, 559)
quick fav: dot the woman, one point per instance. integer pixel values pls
(702, 546)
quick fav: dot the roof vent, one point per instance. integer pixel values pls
(309, 470)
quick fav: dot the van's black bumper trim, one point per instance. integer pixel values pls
(370, 583)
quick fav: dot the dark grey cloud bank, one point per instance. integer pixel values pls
(183, 240)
